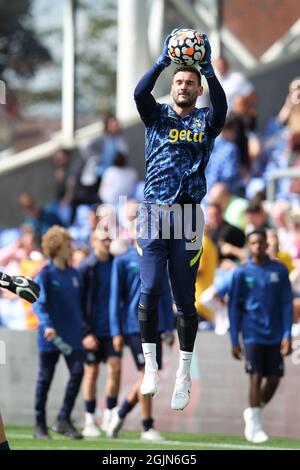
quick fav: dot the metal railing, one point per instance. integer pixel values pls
(279, 174)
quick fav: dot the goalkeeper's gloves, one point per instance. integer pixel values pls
(205, 65)
(164, 58)
(24, 287)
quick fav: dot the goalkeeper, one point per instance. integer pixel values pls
(20, 285)
(178, 143)
(28, 290)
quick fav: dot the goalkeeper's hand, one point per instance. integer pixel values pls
(24, 287)
(205, 65)
(164, 58)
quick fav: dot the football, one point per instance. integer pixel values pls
(186, 47)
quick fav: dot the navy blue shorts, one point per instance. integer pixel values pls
(264, 359)
(170, 239)
(135, 344)
(106, 350)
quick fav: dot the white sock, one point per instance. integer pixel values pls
(255, 414)
(149, 350)
(89, 419)
(185, 359)
(107, 412)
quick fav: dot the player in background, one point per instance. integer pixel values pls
(60, 318)
(95, 272)
(178, 143)
(28, 290)
(261, 308)
(123, 312)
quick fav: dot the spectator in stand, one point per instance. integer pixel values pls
(292, 99)
(295, 226)
(105, 147)
(294, 149)
(245, 108)
(240, 138)
(278, 158)
(88, 218)
(233, 207)
(221, 231)
(82, 187)
(206, 272)
(24, 257)
(223, 235)
(26, 247)
(274, 251)
(61, 160)
(40, 218)
(84, 223)
(224, 166)
(97, 156)
(118, 180)
(255, 161)
(280, 220)
(67, 166)
(258, 217)
(234, 82)
(281, 141)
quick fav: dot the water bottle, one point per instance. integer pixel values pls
(65, 348)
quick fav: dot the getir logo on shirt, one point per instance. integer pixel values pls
(183, 135)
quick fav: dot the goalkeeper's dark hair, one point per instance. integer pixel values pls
(188, 68)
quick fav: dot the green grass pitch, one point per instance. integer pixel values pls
(20, 438)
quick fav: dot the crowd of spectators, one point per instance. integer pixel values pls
(88, 182)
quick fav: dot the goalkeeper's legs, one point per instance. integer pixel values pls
(183, 267)
(135, 396)
(153, 261)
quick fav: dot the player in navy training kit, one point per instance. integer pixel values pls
(261, 307)
(179, 141)
(95, 272)
(60, 316)
(28, 290)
